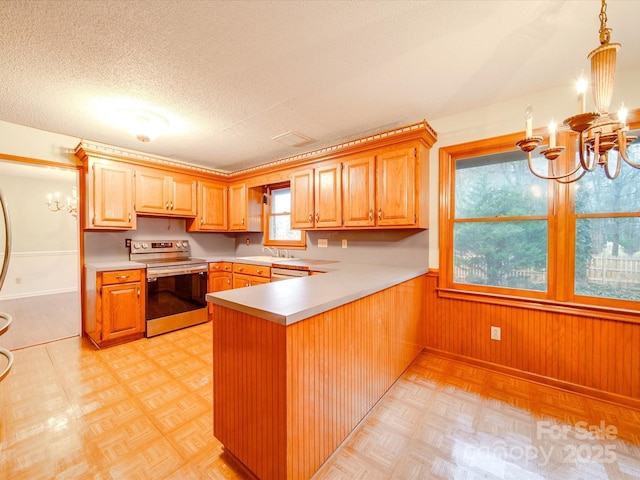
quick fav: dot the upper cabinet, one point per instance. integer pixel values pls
(158, 193)
(385, 188)
(245, 208)
(109, 194)
(212, 208)
(358, 183)
(396, 188)
(317, 197)
(378, 181)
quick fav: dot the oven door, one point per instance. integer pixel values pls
(175, 298)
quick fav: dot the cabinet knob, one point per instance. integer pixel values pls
(129, 216)
(380, 214)
(259, 272)
(171, 205)
(122, 277)
(201, 221)
(310, 218)
(241, 269)
(242, 221)
(317, 217)
(227, 267)
(138, 292)
(370, 214)
(166, 206)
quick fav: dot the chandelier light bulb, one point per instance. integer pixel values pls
(581, 88)
(552, 134)
(622, 115)
(528, 117)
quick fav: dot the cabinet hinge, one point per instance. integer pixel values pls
(415, 219)
(415, 152)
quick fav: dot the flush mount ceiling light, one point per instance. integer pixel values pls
(143, 124)
(598, 132)
(293, 139)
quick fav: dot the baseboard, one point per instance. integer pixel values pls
(614, 398)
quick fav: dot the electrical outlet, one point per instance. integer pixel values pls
(323, 243)
(344, 243)
(496, 333)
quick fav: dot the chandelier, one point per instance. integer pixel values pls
(56, 205)
(598, 132)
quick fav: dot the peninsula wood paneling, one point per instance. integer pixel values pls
(588, 354)
(288, 396)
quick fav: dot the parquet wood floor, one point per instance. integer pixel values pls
(143, 410)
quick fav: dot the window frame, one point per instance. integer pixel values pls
(267, 240)
(561, 241)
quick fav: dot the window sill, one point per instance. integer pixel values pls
(567, 308)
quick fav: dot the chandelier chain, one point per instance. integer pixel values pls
(605, 33)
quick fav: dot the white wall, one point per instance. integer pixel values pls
(44, 247)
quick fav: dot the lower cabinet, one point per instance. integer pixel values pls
(114, 306)
(245, 275)
(220, 278)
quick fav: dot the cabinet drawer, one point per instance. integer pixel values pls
(221, 267)
(256, 270)
(121, 276)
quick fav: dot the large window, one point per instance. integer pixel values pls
(278, 230)
(506, 233)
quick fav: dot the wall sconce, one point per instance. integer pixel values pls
(56, 205)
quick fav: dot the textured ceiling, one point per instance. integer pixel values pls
(231, 75)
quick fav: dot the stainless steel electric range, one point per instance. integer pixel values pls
(176, 284)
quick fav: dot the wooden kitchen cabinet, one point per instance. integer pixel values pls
(316, 197)
(396, 187)
(220, 278)
(160, 194)
(212, 208)
(109, 193)
(245, 208)
(245, 275)
(377, 189)
(114, 306)
(358, 186)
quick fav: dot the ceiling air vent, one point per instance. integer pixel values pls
(293, 139)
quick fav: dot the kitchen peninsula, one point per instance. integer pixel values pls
(299, 363)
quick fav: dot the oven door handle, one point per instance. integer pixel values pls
(169, 272)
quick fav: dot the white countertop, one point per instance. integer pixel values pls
(289, 301)
(114, 265)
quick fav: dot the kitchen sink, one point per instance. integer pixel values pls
(267, 259)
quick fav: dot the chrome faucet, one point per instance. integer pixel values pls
(272, 251)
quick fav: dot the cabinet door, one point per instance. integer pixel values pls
(328, 196)
(302, 209)
(122, 312)
(111, 196)
(238, 212)
(241, 280)
(213, 206)
(220, 279)
(151, 192)
(358, 191)
(395, 187)
(182, 200)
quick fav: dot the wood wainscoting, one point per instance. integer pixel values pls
(590, 355)
(286, 397)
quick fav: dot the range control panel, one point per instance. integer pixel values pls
(159, 246)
